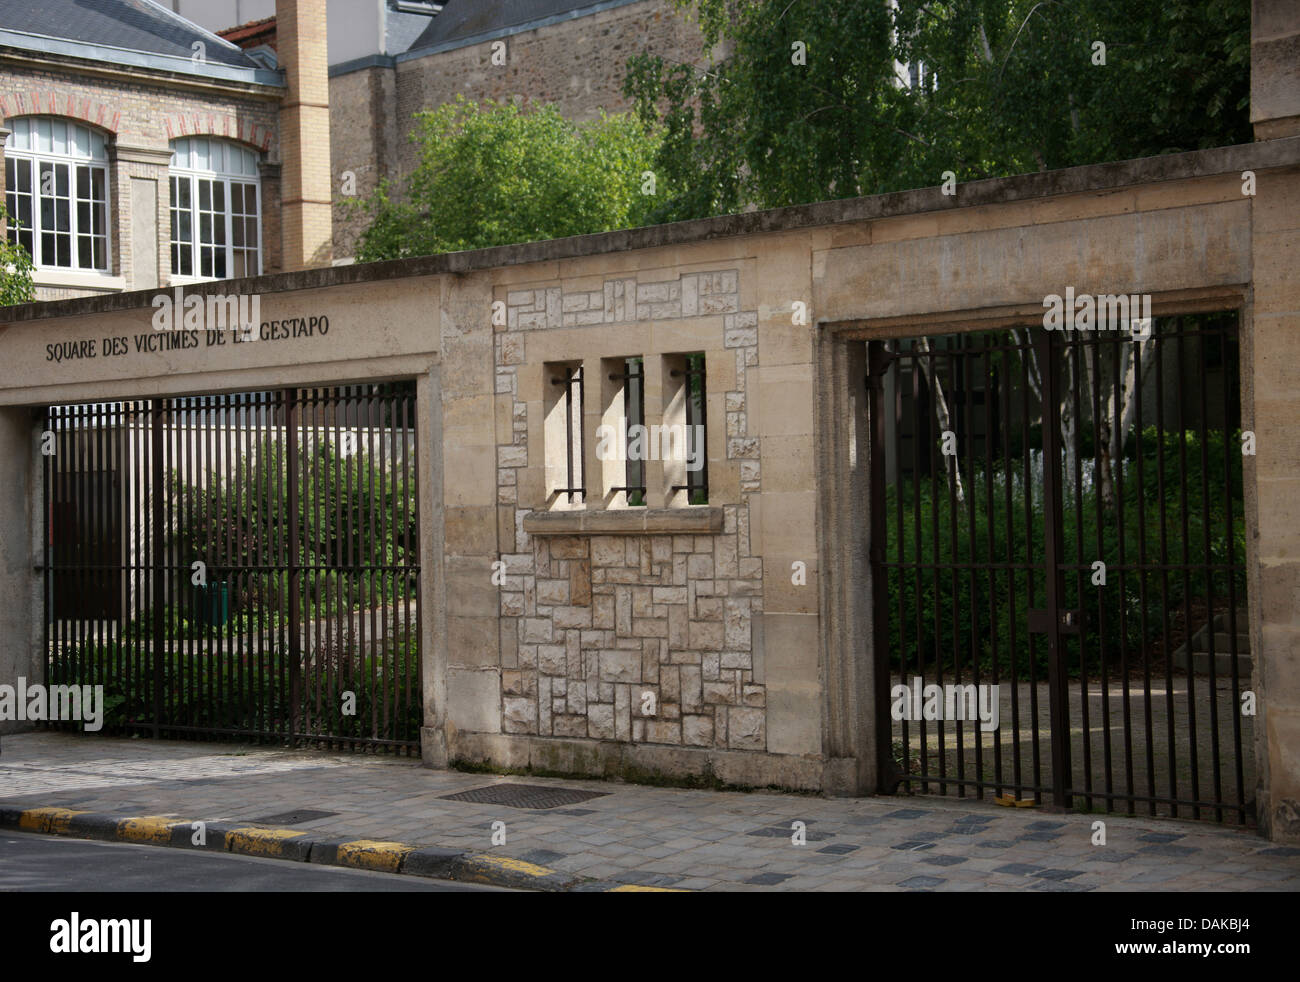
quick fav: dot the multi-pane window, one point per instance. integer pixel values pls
(215, 209)
(56, 191)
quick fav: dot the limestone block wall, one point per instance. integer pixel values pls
(1275, 580)
(596, 629)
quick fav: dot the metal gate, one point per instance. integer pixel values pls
(239, 566)
(1058, 542)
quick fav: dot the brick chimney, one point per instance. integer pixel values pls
(1275, 68)
(305, 134)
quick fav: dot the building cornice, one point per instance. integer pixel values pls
(259, 87)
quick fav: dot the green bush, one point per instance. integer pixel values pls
(353, 514)
(249, 692)
(991, 607)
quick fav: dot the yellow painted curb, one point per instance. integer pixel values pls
(385, 857)
(514, 865)
(633, 888)
(53, 820)
(261, 842)
(149, 828)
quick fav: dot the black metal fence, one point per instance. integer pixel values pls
(240, 566)
(1061, 556)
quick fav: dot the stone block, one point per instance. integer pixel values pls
(746, 729)
(520, 715)
(697, 730)
(617, 665)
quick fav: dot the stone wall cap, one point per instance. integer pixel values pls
(1215, 162)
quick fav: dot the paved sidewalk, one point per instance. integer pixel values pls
(646, 836)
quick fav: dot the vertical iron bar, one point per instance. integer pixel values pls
(877, 363)
(411, 465)
(1188, 627)
(295, 559)
(1170, 729)
(1125, 671)
(376, 646)
(919, 417)
(937, 560)
(79, 487)
(1231, 368)
(1029, 352)
(969, 356)
(891, 355)
(1141, 507)
(157, 409)
(1009, 510)
(955, 350)
(1053, 543)
(50, 653)
(992, 433)
(1213, 686)
(1080, 365)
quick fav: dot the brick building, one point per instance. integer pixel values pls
(142, 150)
(387, 65)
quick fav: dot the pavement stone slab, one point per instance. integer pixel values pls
(647, 836)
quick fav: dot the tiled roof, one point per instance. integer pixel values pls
(468, 18)
(136, 25)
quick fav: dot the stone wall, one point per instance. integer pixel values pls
(597, 628)
(363, 149)
(546, 665)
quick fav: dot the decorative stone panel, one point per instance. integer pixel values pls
(628, 629)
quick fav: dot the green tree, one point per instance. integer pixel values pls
(495, 174)
(890, 96)
(15, 269)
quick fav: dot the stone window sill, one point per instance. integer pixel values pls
(694, 520)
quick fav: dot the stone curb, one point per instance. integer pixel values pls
(298, 846)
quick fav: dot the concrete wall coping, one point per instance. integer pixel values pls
(1214, 162)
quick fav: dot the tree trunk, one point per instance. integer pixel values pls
(941, 414)
(1069, 425)
(1118, 398)
(1105, 477)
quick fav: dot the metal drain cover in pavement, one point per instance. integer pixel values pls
(293, 818)
(524, 796)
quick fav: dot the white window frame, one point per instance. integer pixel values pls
(187, 153)
(26, 142)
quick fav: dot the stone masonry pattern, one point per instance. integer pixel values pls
(594, 625)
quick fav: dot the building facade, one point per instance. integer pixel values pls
(142, 151)
(386, 65)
